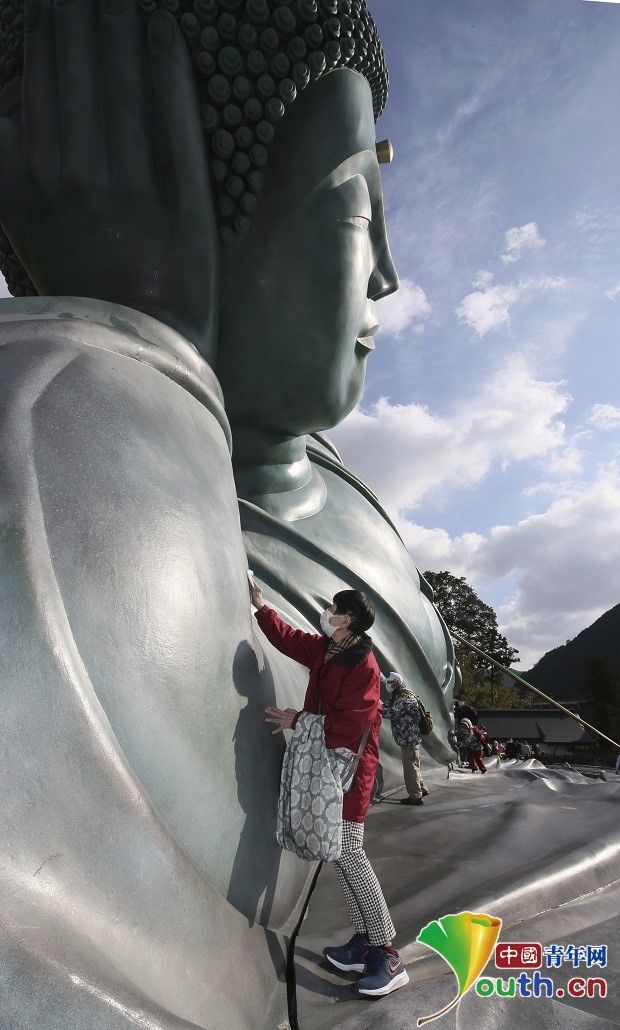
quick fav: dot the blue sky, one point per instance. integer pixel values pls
(494, 384)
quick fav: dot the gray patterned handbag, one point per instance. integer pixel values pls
(309, 819)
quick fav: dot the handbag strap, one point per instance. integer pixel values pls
(356, 760)
(363, 742)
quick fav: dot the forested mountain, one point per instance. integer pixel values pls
(562, 672)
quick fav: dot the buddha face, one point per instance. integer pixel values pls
(298, 291)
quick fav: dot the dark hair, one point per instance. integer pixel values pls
(359, 606)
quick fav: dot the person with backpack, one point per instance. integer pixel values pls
(473, 739)
(406, 714)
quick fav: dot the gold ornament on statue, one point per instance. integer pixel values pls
(385, 152)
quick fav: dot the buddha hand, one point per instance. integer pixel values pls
(104, 185)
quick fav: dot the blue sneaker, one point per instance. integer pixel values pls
(384, 973)
(350, 956)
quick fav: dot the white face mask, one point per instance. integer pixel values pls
(326, 625)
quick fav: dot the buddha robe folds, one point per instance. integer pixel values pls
(138, 779)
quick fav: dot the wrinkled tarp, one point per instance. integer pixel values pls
(535, 846)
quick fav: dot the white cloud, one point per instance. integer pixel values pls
(520, 239)
(598, 233)
(560, 568)
(482, 280)
(435, 549)
(615, 290)
(489, 308)
(605, 416)
(512, 417)
(551, 488)
(4, 290)
(565, 562)
(566, 461)
(465, 110)
(408, 308)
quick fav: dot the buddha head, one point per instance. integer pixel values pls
(289, 91)
(292, 355)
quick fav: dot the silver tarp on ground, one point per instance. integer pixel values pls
(537, 847)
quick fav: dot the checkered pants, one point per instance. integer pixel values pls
(365, 901)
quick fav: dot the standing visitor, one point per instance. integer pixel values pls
(472, 738)
(344, 687)
(512, 748)
(499, 749)
(463, 710)
(402, 708)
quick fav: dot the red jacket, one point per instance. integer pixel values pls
(479, 734)
(349, 689)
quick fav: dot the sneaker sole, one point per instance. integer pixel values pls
(398, 981)
(357, 968)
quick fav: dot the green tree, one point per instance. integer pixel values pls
(466, 613)
(485, 692)
(602, 688)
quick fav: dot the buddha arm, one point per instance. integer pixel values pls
(124, 621)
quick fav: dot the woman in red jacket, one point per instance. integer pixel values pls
(344, 684)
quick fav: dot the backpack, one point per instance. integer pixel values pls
(478, 739)
(426, 719)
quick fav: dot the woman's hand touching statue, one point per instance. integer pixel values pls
(103, 160)
(256, 594)
(281, 718)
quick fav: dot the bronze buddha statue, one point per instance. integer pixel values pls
(167, 169)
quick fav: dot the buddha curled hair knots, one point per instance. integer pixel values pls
(252, 58)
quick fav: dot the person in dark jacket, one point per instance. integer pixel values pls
(344, 685)
(472, 738)
(512, 748)
(403, 710)
(462, 710)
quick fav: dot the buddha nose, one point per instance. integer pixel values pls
(384, 278)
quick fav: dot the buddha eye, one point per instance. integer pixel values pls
(357, 221)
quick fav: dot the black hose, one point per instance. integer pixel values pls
(291, 981)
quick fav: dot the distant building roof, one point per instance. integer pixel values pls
(546, 725)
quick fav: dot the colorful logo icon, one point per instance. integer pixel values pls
(466, 941)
